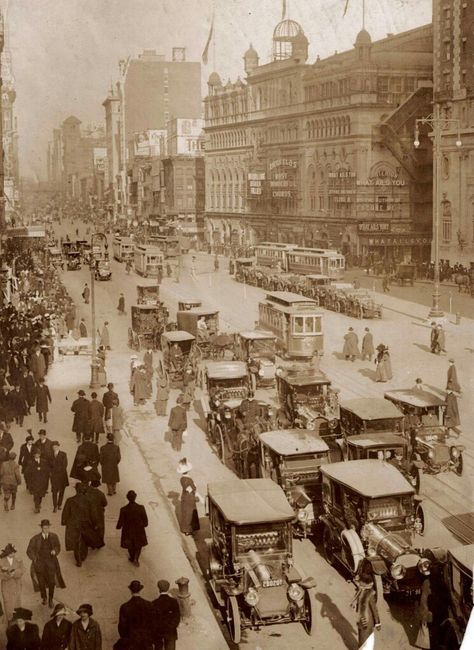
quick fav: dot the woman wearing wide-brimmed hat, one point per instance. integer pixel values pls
(189, 519)
(85, 633)
(11, 572)
(57, 631)
(22, 634)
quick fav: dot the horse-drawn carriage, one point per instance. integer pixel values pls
(404, 274)
(178, 354)
(148, 323)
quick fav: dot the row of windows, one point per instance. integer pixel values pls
(343, 87)
(228, 139)
(328, 128)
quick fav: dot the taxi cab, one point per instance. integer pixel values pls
(292, 458)
(251, 569)
(371, 511)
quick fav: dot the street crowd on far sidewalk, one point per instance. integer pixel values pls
(41, 315)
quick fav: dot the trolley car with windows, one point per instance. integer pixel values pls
(295, 321)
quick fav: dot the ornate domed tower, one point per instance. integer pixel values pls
(289, 41)
(250, 59)
(214, 83)
(363, 45)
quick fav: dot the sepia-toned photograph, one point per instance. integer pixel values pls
(236, 324)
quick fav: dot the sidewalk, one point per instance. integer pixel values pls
(103, 578)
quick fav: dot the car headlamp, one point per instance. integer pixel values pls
(260, 372)
(302, 515)
(251, 597)
(332, 424)
(424, 566)
(431, 454)
(454, 452)
(217, 402)
(397, 571)
(295, 592)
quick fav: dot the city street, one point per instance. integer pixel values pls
(147, 454)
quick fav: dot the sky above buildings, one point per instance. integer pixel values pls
(66, 52)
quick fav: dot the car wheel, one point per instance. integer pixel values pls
(219, 442)
(328, 546)
(233, 619)
(309, 622)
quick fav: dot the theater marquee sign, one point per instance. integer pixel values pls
(283, 178)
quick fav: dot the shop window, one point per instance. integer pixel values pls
(447, 230)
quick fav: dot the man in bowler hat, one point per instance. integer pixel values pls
(135, 620)
(43, 550)
(132, 522)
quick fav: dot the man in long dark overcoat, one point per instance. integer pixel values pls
(97, 504)
(76, 518)
(37, 477)
(96, 417)
(19, 404)
(109, 461)
(166, 618)
(80, 408)
(135, 620)
(43, 550)
(26, 457)
(44, 446)
(87, 453)
(132, 522)
(37, 364)
(43, 400)
(59, 479)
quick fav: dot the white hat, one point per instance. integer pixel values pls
(184, 467)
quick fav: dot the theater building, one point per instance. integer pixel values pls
(322, 154)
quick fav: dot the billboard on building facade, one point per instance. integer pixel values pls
(148, 143)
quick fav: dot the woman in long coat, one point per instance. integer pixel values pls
(30, 389)
(189, 519)
(387, 362)
(380, 372)
(11, 572)
(162, 395)
(139, 386)
(451, 414)
(351, 345)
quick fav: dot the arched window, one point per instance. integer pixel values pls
(447, 221)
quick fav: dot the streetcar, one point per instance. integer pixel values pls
(168, 244)
(123, 248)
(310, 261)
(273, 254)
(148, 261)
(295, 321)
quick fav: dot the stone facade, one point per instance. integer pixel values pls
(453, 22)
(316, 154)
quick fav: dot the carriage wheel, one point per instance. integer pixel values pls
(420, 515)
(309, 613)
(218, 440)
(458, 468)
(233, 619)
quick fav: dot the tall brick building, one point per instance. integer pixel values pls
(453, 28)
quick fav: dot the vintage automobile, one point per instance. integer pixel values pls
(369, 415)
(203, 323)
(251, 568)
(292, 458)
(148, 294)
(241, 266)
(429, 438)
(316, 287)
(188, 303)
(257, 349)
(148, 323)
(178, 355)
(55, 257)
(458, 577)
(307, 397)
(73, 260)
(360, 304)
(227, 384)
(372, 512)
(391, 448)
(405, 274)
(336, 297)
(102, 270)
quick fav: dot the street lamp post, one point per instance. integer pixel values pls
(436, 123)
(95, 383)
